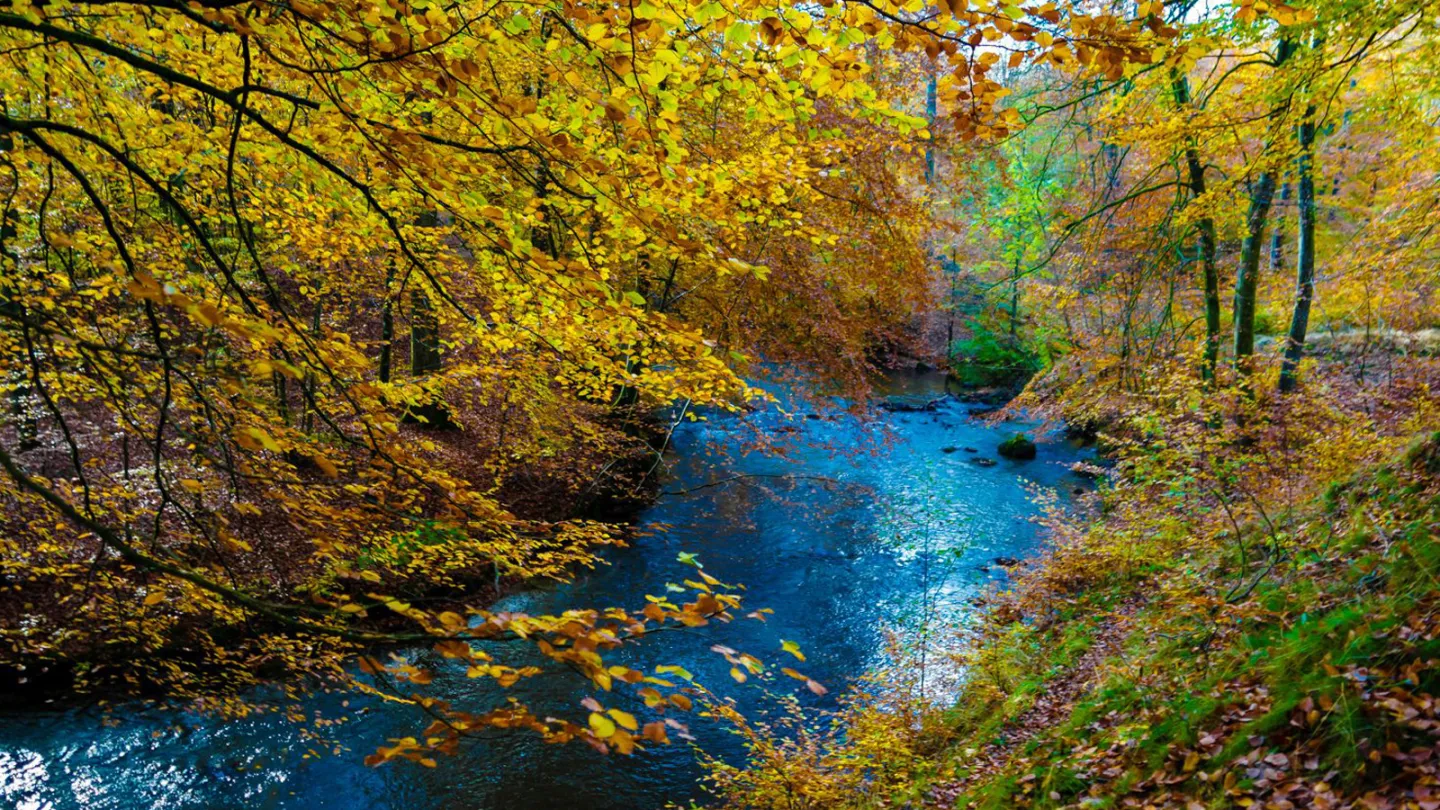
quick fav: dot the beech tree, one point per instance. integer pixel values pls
(220, 215)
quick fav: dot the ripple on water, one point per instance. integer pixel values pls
(838, 554)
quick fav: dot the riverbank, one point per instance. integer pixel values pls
(1299, 677)
(1247, 619)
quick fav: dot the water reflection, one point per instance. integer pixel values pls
(838, 545)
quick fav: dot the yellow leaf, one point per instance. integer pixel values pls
(154, 598)
(209, 313)
(262, 438)
(681, 672)
(625, 719)
(623, 742)
(326, 466)
(602, 726)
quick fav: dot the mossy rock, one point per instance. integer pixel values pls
(1018, 446)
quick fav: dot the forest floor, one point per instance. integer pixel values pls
(1051, 707)
(1294, 664)
(1316, 690)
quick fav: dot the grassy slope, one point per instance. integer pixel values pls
(1299, 676)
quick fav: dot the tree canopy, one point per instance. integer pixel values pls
(301, 302)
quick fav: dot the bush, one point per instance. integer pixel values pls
(987, 358)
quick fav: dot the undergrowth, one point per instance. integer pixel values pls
(1249, 617)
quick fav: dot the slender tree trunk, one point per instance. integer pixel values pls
(1015, 301)
(1304, 249)
(931, 92)
(1277, 236)
(387, 325)
(1205, 239)
(1247, 276)
(950, 304)
(27, 428)
(307, 422)
(282, 395)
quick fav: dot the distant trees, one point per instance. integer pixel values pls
(1233, 115)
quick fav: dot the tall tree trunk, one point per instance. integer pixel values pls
(426, 359)
(1304, 248)
(387, 324)
(1015, 300)
(27, 428)
(282, 396)
(307, 422)
(931, 93)
(1205, 238)
(953, 271)
(1247, 276)
(1277, 236)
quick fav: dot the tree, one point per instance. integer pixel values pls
(1305, 242)
(1247, 275)
(210, 203)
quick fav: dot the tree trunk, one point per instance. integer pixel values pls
(1277, 236)
(1205, 239)
(426, 359)
(424, 336)
(1247, 276)
(1015, 301)
(387, 325)
(930, 110)
(307, 422)
(1304, 249)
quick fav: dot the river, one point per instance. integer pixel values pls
(837, 543)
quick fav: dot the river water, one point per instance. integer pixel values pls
(839, 536)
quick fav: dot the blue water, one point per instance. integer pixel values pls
(837, 534)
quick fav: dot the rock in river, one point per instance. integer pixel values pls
(1018, 446)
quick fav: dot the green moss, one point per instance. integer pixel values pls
(1018, 446)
